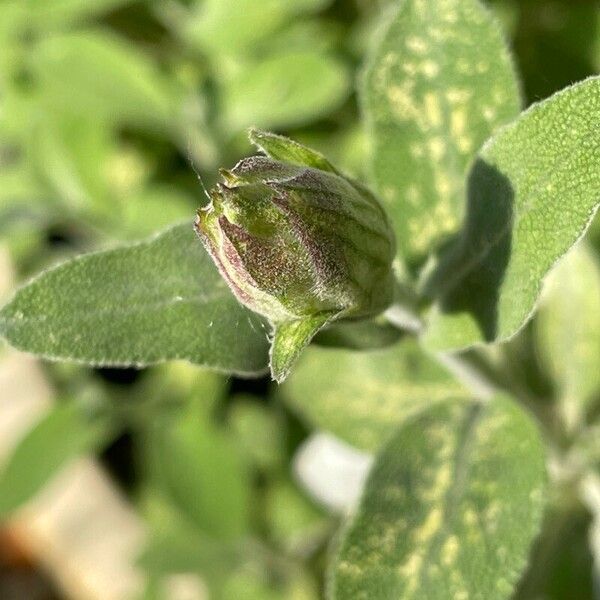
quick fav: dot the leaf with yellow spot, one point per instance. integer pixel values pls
(438, 84)
(362, 397)
(446, 513)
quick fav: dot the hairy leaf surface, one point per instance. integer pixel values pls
(449, 510)
(533, 192)
(362, 397)
(439, 82)
(161, 299)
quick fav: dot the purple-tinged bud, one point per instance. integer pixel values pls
(294, 238)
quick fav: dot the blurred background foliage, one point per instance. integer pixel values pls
(110, 113)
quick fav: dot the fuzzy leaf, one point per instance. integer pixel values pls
(161, 299)
(362, 397)
(445, 512)
(533, 192)
(439, 82)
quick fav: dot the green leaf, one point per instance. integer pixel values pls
(362, 397)
(65, 433)
(446, 513)
(61, 12)
(533, 192)
(259, 431)
(439, 82)
(289, 339)
(199, 467)
(161, 299)
(284, 90)
(223, 27)
(568, 331)
(108, 79)
(365, 334)
(72, 156)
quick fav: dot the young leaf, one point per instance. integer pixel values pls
(533, 192)
(439, 82)
(161, 299)
(568, 330)
(290, 338)
(284, 90)
(62, 435)
(363, 397)
(445, 512)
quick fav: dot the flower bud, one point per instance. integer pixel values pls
(294, 238)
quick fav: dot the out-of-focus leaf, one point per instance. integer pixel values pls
(153, 208)
(161, 299)
(46, 14)
(72, 155)
(259, 433)
(284, 90)
(176, 545)
(362, 397)
(568, 330)
(445, 512)
(533, 191)
(200, 468)
(233, 26)
(258, 581)
(65, 433)
(296, 524)
(439, 82)
(96, 75)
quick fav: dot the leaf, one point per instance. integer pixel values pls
(362, 397)
(259, 432)
(439, 82)
(108, 79)
(568, 331)
(62, 12)
(290, 338)
(365, 334)
(60, 436)
(533, 192)
(445, 512)
(161, 299)
(222, 27)
(198, 466)
(72, 156)
(284, 90)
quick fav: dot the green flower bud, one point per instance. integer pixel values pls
(294, 238)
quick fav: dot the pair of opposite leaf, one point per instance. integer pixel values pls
(298, 243)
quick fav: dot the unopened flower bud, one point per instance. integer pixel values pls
(294, 238)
